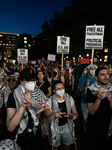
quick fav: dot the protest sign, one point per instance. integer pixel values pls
(33, 62)
(51, 57)
(94, 37)
(22, 55)
(84, 61)
(95, 59)
(63, 45)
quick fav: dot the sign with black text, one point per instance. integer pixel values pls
(22, 55)
(94, 37)
(63, 45)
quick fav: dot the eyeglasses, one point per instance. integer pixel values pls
(13, 80)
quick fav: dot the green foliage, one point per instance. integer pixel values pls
(72, 23)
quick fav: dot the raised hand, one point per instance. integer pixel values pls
(72, 116)
(87, 83)
(27, 100)
(101, 94)
(110, 96)
(44, 107)
(59, 113)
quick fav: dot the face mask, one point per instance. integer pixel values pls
(67, 64)
(84, 71)
(74, 64)
(54, 73)
(92, 72)
(60, 92)
(30, 86)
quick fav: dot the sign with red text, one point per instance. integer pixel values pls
(51, 57)
(84, 61)
(94, 37)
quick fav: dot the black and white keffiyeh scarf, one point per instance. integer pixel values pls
(94, 88)
(4, 94)
(38, 96)
(9, 144)
(53, 103)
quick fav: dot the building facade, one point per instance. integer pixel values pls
(9, 42)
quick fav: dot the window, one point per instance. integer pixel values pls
(25, 38)
(29, 45)
(25, 41)
(105, 58)
(25, 45)
(106, 50)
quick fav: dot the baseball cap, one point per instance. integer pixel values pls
(27, 74)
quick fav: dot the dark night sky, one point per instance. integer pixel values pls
(27, 16)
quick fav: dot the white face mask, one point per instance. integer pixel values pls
(60, 92)
(92, 72)
(30, 86)
(84, 71)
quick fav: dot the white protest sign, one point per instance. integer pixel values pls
(33, 62)
(94, 37)
(95, 59)
(22, 55)
(51, 57)
(63, 45)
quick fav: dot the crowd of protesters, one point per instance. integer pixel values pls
(37, 100)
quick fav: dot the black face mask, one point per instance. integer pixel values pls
(54, 73)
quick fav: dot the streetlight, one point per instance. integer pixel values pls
(87, 55)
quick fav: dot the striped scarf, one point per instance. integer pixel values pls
(94, 88)
(4, 94)
(9, 144)
(53, 103)
(38, 96)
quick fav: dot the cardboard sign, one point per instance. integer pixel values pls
(63, 45)
(22, 55)
(51, 57)
(84, 61)
(94, 37)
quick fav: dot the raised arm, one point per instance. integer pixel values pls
(13, 116)
(93, 107)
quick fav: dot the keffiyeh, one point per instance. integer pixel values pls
(9, 144)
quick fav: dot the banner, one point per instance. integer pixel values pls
(63, 45)
(22, 55)
(84, 61)
(94, 37)
(51, 57)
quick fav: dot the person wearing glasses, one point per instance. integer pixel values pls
(4, 94)
(63, 112)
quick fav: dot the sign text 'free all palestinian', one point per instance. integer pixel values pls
(22, 55)
(63, 45)
(94, 37)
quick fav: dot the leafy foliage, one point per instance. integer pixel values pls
(72, 23)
